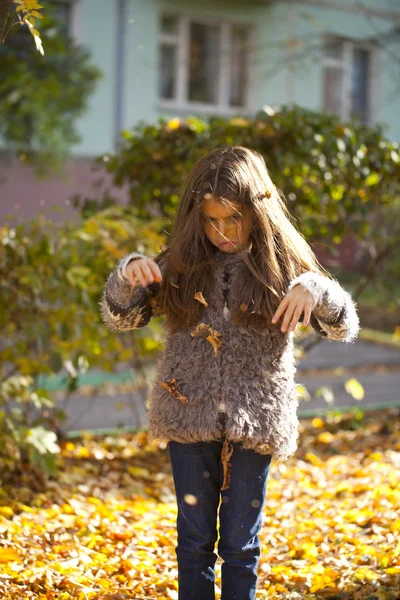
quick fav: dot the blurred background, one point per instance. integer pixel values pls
(106, 104)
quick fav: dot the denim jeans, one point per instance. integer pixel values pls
(198, 477)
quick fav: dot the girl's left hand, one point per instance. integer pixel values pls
(295, 302)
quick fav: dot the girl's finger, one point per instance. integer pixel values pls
(281, 308)
(307, 314)
(137, 273)
(288, 316)
(148, 275)
(155, 269)
(296, 317)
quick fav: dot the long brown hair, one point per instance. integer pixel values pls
(278, 251)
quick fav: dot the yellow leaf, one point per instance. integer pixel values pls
(6, 511)
(354, 388)
(174, 124)
(9, 555)
(326, 437)
(313, 459)
(239, 122)
(139, 472)
(393, 570)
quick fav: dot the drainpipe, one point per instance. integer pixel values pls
(119, 70)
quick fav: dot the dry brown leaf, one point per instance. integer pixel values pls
(170, 386)
(211, 335)
(199, 296)
(227, 451)
(215, 342)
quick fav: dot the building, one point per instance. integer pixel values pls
(179, 57)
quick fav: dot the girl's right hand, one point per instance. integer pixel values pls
(142, 271)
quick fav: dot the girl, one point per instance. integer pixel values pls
(233, 284)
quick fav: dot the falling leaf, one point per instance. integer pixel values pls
(227, 451)
(354, 388)
(211, 335)
(199, 296)
(170, 386)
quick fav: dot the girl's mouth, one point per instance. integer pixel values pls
(227, 244)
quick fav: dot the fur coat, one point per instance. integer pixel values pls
(250, 378)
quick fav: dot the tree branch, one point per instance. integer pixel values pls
(5, 7)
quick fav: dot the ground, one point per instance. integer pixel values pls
(104, 527)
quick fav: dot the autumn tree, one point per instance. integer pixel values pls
(41, 97)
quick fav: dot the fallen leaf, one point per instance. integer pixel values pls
(199, 296)
(170, 386)
(118, 515)
(227, 451)
(9, 555)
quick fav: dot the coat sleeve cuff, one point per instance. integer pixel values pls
(123, 263)
(311, 282)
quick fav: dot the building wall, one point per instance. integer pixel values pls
(95, 26)
(125, 46)
(124, 43)
(310, 20)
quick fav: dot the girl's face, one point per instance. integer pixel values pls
(227, 227)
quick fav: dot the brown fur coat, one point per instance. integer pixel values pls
(251, 377)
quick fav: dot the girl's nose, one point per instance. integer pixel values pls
(222, 228)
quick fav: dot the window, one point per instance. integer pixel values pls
(203, 64)
(62, 12)
(348, 74)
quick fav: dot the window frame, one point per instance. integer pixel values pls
(345, 64)
(73, 26)
(181, 41)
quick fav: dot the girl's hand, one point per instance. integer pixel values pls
(295, 302)
(142, 271)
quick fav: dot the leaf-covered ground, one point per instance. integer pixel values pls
(105, 527)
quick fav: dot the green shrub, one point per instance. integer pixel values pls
(336, 177)
(51, 279)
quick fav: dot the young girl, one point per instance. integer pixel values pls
(233, 284)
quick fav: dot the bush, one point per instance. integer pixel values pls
(338, 178)
(51, 278)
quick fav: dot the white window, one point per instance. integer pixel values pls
(204, 64)
(349, 79)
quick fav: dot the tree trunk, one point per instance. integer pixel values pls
(5, 7)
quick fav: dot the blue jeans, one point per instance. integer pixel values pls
(198, 477)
